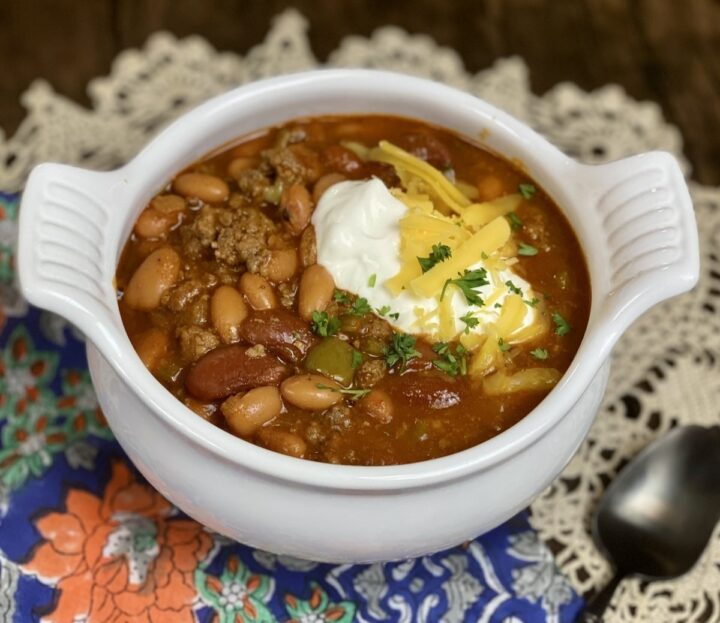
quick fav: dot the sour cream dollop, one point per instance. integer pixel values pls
(357, 226)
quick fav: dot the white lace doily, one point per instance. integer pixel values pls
(666, 369)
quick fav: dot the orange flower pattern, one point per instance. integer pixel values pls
(119, 558)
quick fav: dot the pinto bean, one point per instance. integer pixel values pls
(230, 369)
(155, 276)
(245, 413)
(378, 405)
(308, 247)
(280, 331)
(490, 187)
(312, 392)
(282, 441)
(297, 204)
(238, 165)
(151, 346)
(260, 294)
(227, 310)
(207, 188)
(316, 290)
(281, 266)
(168, 204)
(325, 182)
(154, 224)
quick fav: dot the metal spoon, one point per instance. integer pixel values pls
(657, 516)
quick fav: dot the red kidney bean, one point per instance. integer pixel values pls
(383, 171)
(280, 331)
(340, 159)
(426, 389)
(230, 369)
(427, 148)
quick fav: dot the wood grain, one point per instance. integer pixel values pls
(663, 50)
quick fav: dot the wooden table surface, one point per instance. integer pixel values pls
(662, 50)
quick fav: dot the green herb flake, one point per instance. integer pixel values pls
(513, 288)
(371, 280)
(498, 306)
(353, 394)
(504, 346)
(467, 282)
(527, 250)
(394, 315)
(527, 190)
(357, 359)
(324, 325)
(484, 255)
(451, 363)
(532, 302)
(540, 353)
(360, 307)
(470, 321)
(439, 253)
(382, 311)
(514, 220)
(401, 350)
(562, 327)
(341, 297)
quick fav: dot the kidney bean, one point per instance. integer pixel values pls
(297, 204)
(207, 188)
(426, 389)
(382, 170)
(316, 290)
(155, 276)
(230, 369)
(282, 441)
(245, 413)
(280, 331)
(325, 182)
(312, 392)
(260, 294)
(227, 310)
(340, 159)
(427, 148)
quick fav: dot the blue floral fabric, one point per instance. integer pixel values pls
(84, 538)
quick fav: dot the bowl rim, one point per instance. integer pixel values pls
(200, 131)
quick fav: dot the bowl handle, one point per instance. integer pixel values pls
(648, 222)
(67, 235)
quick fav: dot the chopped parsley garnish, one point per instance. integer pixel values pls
(527, 190)
(451, 363)
(470, 321)
(324, 325)
(394, 315)
(504, 346)
(562, 327)
(357, 358)
(513, 288)
(360, 307)
(341, 297)
(353, 394)
(439, 253)
(498, 305)
(402, 350)
(371, 280)
(527, 249)
(484, 255)
(540, 353)
(514, 220)
(382, 311)
(532, 302)
(467, 283)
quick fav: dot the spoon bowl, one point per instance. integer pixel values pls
(657, 516)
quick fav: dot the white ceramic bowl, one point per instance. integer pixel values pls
(635, 222)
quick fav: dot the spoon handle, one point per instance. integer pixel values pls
(595, 608)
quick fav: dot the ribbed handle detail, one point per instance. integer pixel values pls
(647, 218)
(65, 254)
